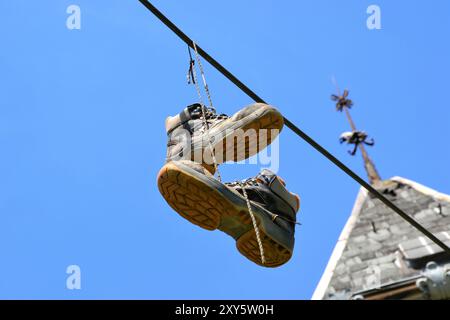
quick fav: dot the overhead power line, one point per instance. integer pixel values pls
(292, 126)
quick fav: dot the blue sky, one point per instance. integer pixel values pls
(82, 134)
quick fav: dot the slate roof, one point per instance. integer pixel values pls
(377, 247)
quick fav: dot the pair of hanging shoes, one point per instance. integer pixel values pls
(259, 213)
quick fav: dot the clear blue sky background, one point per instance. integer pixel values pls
(82, 134)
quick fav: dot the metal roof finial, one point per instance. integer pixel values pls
(358, 138)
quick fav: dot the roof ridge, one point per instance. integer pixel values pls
(422, 188)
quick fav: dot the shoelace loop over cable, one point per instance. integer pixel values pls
(209, 114)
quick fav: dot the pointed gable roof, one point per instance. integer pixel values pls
(377, 247)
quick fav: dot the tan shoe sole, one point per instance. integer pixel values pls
(237, 149)
(203, 203)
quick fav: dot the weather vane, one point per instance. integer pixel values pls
(341, 101)
(357, 138)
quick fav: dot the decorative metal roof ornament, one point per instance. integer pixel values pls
(435, 284)
(355, 137)
(341, 101)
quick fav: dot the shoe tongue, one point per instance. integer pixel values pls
(266, 176)
(194, 111)
(278, 186)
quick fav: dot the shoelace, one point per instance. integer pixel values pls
(210, 114)
(255, 225)
(208, 136)
(244, 183)
(254, 182)
(204, 110)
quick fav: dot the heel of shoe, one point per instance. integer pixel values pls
(275, 254)
(189, 197)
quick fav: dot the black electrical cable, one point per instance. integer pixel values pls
(293, 127)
